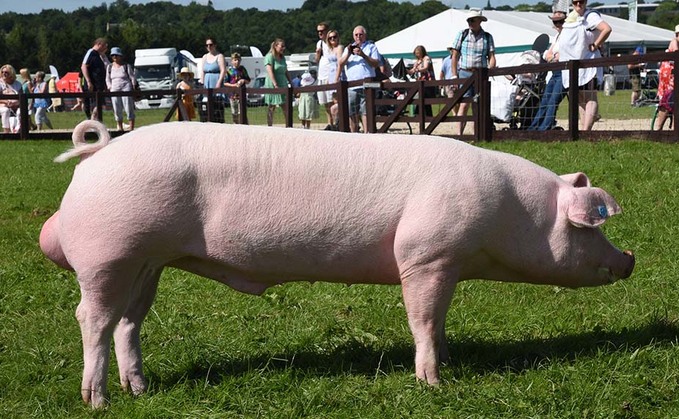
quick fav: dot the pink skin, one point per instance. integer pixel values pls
(254, 207)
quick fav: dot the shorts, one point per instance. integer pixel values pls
(590, 85)
(235, 106)
(465, 74)
(636, 83)
(324, 96)
(357, 101)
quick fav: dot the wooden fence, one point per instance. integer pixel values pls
(400, 108)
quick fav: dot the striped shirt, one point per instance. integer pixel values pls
(474, 50)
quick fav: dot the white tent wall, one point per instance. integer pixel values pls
(513, 32)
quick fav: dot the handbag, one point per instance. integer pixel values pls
(10, 103)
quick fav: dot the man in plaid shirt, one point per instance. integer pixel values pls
(473, 48)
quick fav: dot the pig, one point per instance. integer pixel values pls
(253, 207)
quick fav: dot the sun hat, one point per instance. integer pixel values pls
(307, 79)
(676, 29)
(185, 70)
(116, 51)
(476, 13)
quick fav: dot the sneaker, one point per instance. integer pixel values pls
(126, 127)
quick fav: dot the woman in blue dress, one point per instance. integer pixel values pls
(212, 72)
(276, 76)
(213, 66)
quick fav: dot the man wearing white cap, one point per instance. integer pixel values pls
(473, 48)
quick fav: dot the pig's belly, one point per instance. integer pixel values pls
(257, 261)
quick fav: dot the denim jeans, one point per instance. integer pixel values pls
(553, 95)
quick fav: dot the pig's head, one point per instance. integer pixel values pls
(581, 251)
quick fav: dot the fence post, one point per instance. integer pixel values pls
(343, 104)
(208, 106)
(573, 112)
(484, 131)
(675, 93)
(421, 114)
(370, 110)
(99, 98)
(243, 105)
(24, 118)
(290, 97)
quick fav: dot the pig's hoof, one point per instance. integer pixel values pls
(135, 384)
(429, 379)
(96, 399)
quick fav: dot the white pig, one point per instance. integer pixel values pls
(254, 207)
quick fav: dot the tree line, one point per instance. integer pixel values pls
(61, 39)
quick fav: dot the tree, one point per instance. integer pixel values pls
(664, 16)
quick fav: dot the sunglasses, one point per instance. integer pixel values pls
(332, 37)
(5, 73)
(559, 22)
(579, 2)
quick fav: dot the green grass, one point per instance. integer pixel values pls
(333, 351)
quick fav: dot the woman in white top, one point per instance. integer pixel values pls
(327, 69)
(582, 37)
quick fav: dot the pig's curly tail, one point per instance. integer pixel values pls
(81, 147)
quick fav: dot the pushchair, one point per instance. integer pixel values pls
(517, 102)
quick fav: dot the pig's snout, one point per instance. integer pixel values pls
(623, 267)
(630, 264)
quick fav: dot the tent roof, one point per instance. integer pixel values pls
(512, 31)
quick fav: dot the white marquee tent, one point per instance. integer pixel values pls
(513, 32)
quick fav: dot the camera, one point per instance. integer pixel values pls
(352, 46)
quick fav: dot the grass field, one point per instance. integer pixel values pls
(331, 351)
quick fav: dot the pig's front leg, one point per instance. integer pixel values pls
(427, 293)
(126, 335)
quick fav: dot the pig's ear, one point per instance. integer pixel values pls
(590, 207)
(577, 180)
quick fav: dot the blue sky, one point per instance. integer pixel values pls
(35, 6)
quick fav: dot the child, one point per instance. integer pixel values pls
(185, 84)
(41, 103)
(307, 101)
(236, 76)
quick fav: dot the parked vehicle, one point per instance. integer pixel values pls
(256, 99)
(157, 69)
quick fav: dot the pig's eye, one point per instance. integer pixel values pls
(603, 211)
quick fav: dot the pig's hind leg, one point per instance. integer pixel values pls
(105, 296)
(127, 333)
(427, 293)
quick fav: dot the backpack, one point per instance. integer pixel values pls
(465, 33)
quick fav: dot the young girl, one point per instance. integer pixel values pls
(41, 103)
(186, 84)
(307, 103)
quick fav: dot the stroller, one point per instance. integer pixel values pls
(518, 101)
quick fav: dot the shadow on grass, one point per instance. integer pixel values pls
(476, 355)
